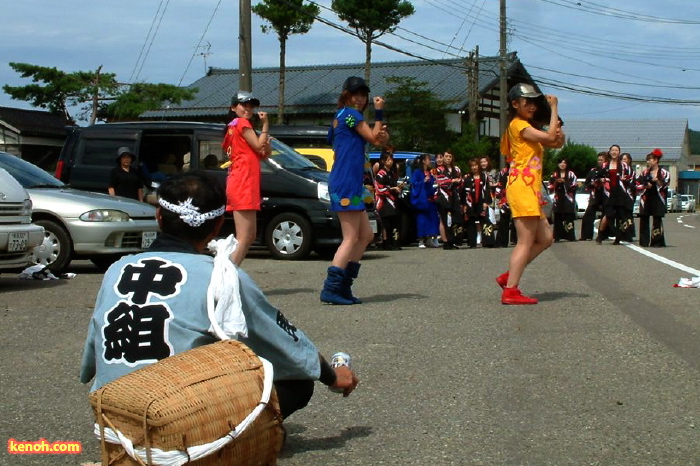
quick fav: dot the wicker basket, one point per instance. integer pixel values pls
(190, 399)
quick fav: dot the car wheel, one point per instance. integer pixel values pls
(103, 262)
(55, 250)
(288, 236)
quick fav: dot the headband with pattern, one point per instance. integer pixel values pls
(190, 213)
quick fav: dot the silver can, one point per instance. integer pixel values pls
(337, 360)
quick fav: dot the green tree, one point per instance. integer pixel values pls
(416, 117)
(56, 90)
(139, 97)
(580, 157)
(467, 147)
(89, 91)
(286, 17)
(371, 19)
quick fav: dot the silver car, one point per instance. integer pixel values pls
(81, 224)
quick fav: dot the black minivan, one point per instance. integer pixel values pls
(295, 216)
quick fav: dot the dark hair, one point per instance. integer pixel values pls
(656, 153)
(627, 154)
(206, 193)
(474, 160)
(344, 98)
(604, 154)
(384, 157)
(418, 161)
(618, 148)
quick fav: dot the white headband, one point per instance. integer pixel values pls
(190, 213)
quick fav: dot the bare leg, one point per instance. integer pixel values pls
(357, 234)
(245, 233)
(534, 236)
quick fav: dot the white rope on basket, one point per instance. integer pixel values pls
(196, 452)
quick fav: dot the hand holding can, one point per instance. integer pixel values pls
(346, 380)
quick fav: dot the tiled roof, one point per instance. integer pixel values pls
(638, 137)
(315, 88)
(34, 122)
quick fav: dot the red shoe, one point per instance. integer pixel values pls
(502, 279)
(514, 296)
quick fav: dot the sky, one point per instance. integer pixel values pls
(604, 60)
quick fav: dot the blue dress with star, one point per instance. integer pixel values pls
(345, 182)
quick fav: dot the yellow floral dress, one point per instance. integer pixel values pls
(524, 189)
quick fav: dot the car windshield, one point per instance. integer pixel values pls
(288, 158)
(27, 174)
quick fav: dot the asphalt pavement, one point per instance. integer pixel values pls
(604, 371)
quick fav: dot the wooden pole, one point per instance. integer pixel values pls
(503, 85)
(245, 80)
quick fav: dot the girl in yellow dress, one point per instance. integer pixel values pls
(523, 145)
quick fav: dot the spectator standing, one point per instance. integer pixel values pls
(386, 191)
(423, 185)
(173, 314)
(449, 179)
(523, 143)
(245, 148)
(618, 177)
(632, 193)
(124, 179)
(491, 173)
(439, 164)
(476, 196)
(348, 134)
(563, 185)
(653, 183)
(596, 197)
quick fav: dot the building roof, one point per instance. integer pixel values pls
(315, 88)
(34, 122)
(638, 137)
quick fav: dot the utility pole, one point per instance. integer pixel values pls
(473, 92)
(245, 67)
(503, 78)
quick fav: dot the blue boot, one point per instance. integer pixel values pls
(351, 271)
(332, 292)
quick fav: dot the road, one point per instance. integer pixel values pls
(604, 371)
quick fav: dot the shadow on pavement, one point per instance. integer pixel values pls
(297, 444)
(287, 291)
(385, 298)
(558, 295)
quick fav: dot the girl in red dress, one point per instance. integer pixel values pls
(245, 148)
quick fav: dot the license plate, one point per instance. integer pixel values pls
(18, 242)
(373, 224)
(147, 238)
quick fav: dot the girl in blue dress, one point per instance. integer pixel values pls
(349, 134)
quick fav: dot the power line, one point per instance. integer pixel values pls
(206, 29)
(145, 42)
(153, 38)
(605, 10)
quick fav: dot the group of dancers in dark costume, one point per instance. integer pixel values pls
(613, 188)
(446, 203)
(456, 207)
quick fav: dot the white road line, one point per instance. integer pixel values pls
(663, 260)
(688, 226)
(656, 257)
